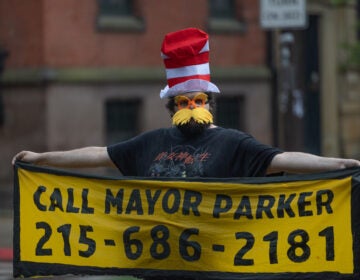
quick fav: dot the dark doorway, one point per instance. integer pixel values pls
(312, 119)
(298, 90)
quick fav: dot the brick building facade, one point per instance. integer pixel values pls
(77, 75)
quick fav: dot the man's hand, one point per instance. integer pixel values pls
(27, 156)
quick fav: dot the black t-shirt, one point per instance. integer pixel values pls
(217, 152)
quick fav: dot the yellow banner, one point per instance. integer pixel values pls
(193, 226)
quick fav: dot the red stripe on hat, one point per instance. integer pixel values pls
(201, 58)
(184, 43)
(175, 81)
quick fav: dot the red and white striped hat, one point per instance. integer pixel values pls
(186, 58)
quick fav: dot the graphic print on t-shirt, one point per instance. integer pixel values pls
(180, 161)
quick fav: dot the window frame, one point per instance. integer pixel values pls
(126, 105)
(125, 21)
(222, 23)
(238, 102)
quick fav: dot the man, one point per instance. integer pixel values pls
(194, 146)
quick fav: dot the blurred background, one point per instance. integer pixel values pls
(76, 73)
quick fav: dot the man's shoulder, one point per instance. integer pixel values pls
(230, 132)
(155, 133)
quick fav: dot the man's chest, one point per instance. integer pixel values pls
(182, 161)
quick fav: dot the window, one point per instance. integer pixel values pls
(222, 9)
(122, 120)
(118, 15)
(230, 112)
(224, 17)
(116, 7)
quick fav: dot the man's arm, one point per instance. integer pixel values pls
(78, 158)
(297, 162)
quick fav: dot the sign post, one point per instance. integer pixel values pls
(284, 18)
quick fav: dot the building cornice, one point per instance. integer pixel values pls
(120, 75)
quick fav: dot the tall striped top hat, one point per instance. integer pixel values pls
(186, 58)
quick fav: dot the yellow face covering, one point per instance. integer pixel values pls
(200, 115)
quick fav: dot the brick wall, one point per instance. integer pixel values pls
(56, 33)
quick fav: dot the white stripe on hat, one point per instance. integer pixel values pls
(205, 48)
(163, 56)
(200, 69)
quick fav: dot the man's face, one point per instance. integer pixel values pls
(191, 100)
(192, 114)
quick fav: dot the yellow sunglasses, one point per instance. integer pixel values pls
(183, 102)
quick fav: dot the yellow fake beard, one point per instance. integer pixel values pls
(200, 115)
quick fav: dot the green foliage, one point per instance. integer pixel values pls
(340, 2)
(352, 50)
(352, 56)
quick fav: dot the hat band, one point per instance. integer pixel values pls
(189, 86)
(175, 81)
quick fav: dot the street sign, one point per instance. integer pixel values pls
(283, 14)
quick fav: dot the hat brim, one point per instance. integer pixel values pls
(189, 86)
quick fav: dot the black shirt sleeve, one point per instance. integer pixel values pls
(124, 155)
(253, 158)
